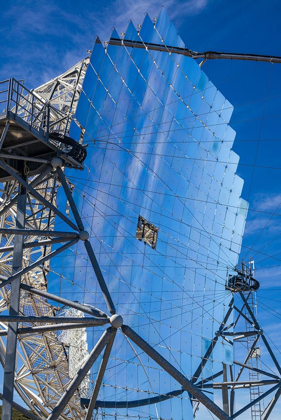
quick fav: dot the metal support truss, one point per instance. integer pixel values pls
(207, 55)
(242, 380)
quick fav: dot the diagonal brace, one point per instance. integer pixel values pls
(37, 263)
(100, 376)
(81, 307)
(88, 245)
(53, 319)
(177, 375)
(36, 195)
(212, 345)
(74, 384)
(100, 277)
(46, 328)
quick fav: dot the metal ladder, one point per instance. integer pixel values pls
(254, 361)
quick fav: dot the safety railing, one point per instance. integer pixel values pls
(30, 108)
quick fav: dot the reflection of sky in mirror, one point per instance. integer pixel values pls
(155, 127)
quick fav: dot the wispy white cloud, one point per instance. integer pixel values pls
(266, 222)
(268, 202)
(269, 277)
(261, 223)
(47, 39)
(119, 14)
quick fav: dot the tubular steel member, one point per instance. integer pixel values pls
(187, 385)
(81, 373)
(10, 356)
(207, 55)
(101, 372)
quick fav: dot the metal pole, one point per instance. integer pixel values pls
(100, 277)
(100, 376)
(88, 245)
(232, 392)
(210, 55)
(73, 386)
(36, 195)
(46, 328)
(225, 402)
(35, 244)
(262, 335)
(261, 397)
(4, 132)
(39, 262)
(271, 353)
(11, 347)
(81, 307)
(271, 405)
(53, 319)
(135, 403)
(212, 345)
(262, 372)
(38, 232)
(179, 377)
(70, 199)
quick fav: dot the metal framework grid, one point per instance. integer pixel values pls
(28, 211)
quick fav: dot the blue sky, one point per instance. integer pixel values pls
(40, 40)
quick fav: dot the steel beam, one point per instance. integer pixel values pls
(37, 232)
(53, 319)
(100, 376)
(35, 244)
(11, 347)
(247, 358)
(37, 263)
(73, 386)
(70, 199)
(135, 403)
(241, 384)
(207, 55)
(240, 333)
(232, 393)
(34, 183)
(4, 133)
(225, 402)
(23, 410)
(81, 307)
(212, 345)
(261, 397)
(88, 245)
(210, 378)
(262, 372)
(100, 277)
(36, 195)
(25, 158)
(46, 328)
(271, 353)
(271, 405)
(262, 335)
(178, 376)
(245, 317)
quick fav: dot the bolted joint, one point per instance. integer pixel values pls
(260, 332)
(116, 321)
(84, 235)
(56, 162)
